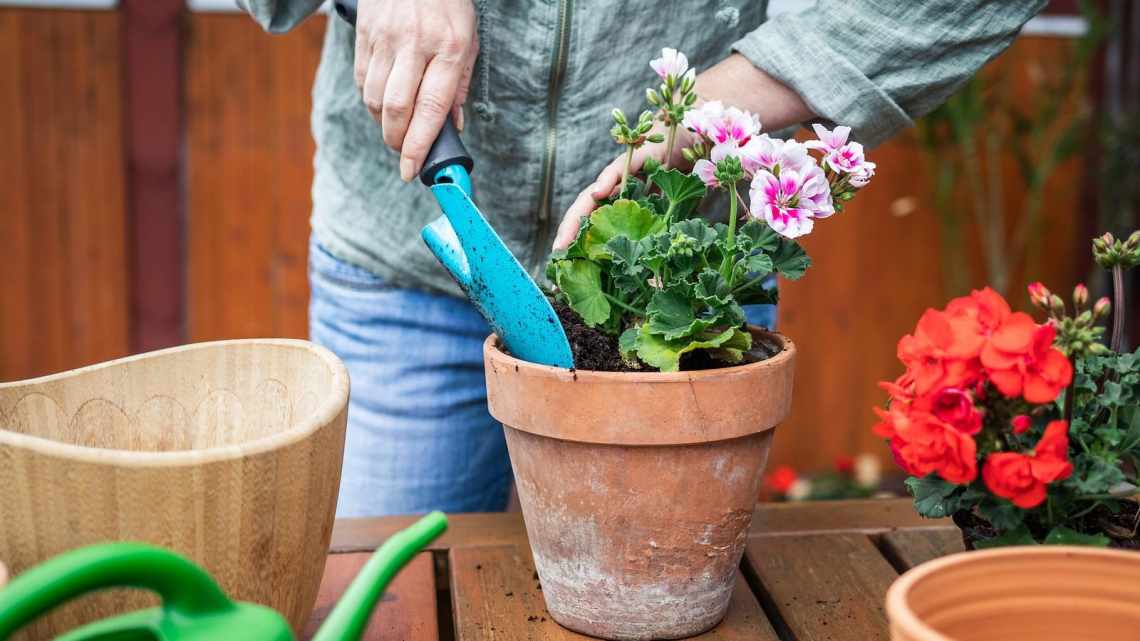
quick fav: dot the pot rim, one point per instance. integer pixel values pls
(788, 351)
(326, 411)
(898, 605)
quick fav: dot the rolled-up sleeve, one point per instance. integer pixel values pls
(279, 16)
(875, 66)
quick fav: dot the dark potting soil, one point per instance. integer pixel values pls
(597, 351)
(1122, 528)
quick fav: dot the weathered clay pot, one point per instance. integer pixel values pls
(638, 489)
(1037, 593)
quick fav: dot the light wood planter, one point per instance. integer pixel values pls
(227, 452)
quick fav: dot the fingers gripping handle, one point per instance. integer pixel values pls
(448, 149)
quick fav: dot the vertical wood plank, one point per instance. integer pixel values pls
(495, 594)
(152, 57)
(825, 586)
(406, 612)
(250, 160)
(64, 283)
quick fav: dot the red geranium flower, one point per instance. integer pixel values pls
(942, 352)
(956, 407)
(1021, 361)
(922, 443)
(985, 307)
(781, 479)
(1022, 478)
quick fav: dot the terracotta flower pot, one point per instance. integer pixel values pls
(638, 489)
(1036, 593)
(228, 453)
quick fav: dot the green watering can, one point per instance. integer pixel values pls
(193, 607)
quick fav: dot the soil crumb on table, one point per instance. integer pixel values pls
(597, 351)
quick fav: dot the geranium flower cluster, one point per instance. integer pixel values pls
(789, 188)
(976, 375)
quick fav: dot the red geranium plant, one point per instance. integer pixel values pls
(1024, 432)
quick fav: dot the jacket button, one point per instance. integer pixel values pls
(485, 111)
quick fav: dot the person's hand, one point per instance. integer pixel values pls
(609, 180)
(413, 66)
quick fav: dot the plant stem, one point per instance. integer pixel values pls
(750, 282)
(628, 308)
(669, 145)
(625, 170)
(730, 243)
(1118, 330)
(669, 213)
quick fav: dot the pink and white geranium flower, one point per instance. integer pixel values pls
(862, 177)
(706, 169)
(790, 202)
(829, 140)
(842, 156)
(764, 152)
(671, 63)
(721, 125)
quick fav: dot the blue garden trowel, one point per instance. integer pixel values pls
(469, 248)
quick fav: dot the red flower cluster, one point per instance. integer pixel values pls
(937, 407)
(1022, 478)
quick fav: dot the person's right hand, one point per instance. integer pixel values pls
(413, 66)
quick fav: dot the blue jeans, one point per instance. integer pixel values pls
(419, 435)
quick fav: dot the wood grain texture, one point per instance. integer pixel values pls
(249, 155)
(63, 233)
(824, 586)
(908, 548)
(496, 595)
(228, 453)
(406, 612)
(466, 530)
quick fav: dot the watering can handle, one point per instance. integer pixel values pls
(448, 149)
(184, 587)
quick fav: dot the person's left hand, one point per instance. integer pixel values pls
(607, 182)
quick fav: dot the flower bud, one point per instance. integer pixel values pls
(656, 138)
(1101, 308)
(688, 80)
(1056, 306)
(1133, 242)
(1080, 296)
(1039, 295)
(619, 117)
(652, 98)
(1085, 318)
(1021, 423)
(688, 155)
(690, 100)
(1098, 349)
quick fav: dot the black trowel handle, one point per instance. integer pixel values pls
(448, 149)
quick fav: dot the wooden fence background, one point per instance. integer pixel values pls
(66, 233)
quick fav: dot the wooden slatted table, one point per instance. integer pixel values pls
(811, 572)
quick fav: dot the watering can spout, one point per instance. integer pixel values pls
(349, 618)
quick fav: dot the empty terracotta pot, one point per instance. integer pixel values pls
(227, 452)
(638, 489)
(1036, 593)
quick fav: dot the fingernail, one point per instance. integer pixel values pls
(459, 119)
(407, 169)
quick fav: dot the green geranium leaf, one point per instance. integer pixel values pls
(1002, 514)
(671, 316)
(622, 218)
(699, 231)
(581, 282)
(627, 342)
(666, 355)
(759, 237)
(1062, 535)
(755, 265)
(932, 496)
(678, 187)
(790, 260)
(1017, 536)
